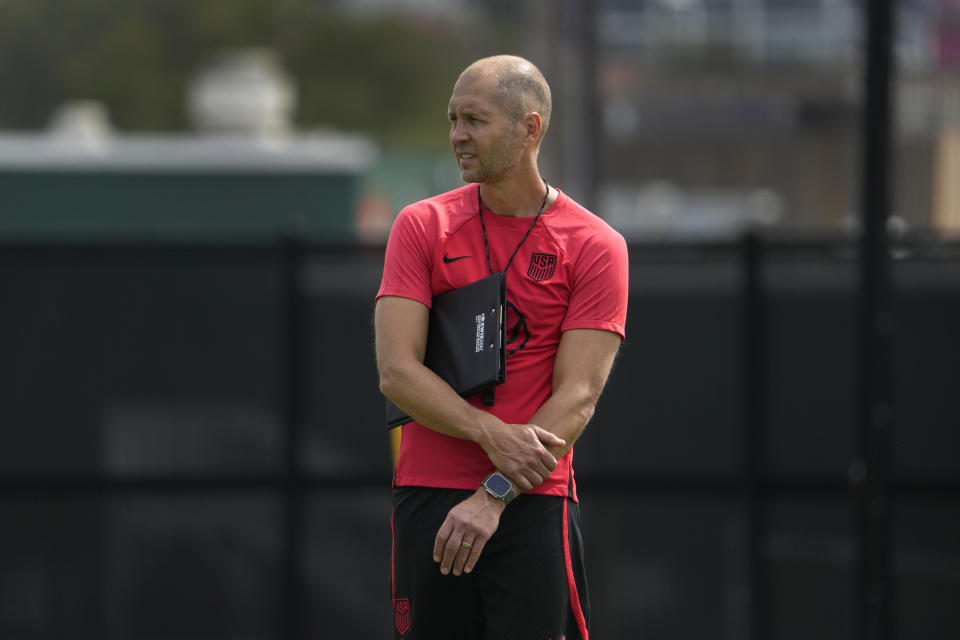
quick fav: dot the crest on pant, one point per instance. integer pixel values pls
(542, 266)
(401, 614)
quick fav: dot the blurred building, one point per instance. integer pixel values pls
(715, 114)
(244, 174)
(243, 91)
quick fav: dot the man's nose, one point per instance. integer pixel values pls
(458, 133)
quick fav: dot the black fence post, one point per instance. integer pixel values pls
(292, 360)
(582, 134)
(754, 389)
(869, 473)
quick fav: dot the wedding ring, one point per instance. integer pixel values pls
(466, 545)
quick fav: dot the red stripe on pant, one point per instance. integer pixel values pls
(393, 567)
(572, 585)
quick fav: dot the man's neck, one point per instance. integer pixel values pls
(515, 199)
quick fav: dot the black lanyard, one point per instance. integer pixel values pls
(486, 245)
(488, 394)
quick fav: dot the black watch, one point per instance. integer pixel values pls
(499, 487)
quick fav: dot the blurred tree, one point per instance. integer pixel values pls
(386, 74)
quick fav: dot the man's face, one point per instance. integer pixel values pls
(486, 142)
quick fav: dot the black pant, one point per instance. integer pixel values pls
(529, 583)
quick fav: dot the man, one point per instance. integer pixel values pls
(472, 558)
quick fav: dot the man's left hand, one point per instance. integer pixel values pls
(465, 531)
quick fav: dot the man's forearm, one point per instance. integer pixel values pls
(565, 415)
(581, 369)
(429, 400)
(520, 451)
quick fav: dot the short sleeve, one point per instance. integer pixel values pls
(408, 259)
(598, 299)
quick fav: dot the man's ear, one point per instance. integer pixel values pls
(534, 126)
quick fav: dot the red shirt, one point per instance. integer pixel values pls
(570, 273)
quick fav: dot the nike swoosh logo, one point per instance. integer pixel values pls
(447, 259)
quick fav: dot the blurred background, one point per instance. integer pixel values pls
(194, 197)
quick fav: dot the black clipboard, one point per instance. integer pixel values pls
(465, 340)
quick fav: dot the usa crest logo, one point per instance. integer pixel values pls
(401, 614)
(542, 266)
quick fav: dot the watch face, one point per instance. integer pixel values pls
(498, 484)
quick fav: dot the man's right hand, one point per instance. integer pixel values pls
(520, 451)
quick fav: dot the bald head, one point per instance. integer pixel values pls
(518, 84)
